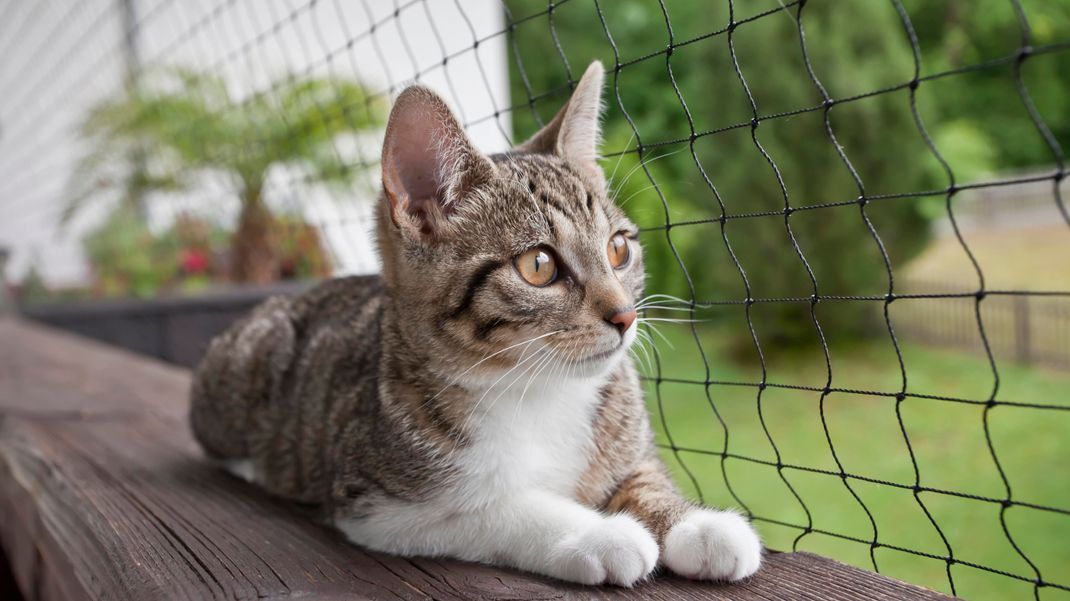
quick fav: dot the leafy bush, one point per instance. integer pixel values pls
(129, 259)
(977, 120)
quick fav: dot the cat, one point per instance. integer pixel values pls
(476, 400)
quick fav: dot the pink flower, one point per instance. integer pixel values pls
(193, 261)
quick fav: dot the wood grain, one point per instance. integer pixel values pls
(103, 495)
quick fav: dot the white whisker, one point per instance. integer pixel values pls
(455, 379)
(670, 320)
(472, 412)
(642, 338)
(663, 308)
(651, 327)
(620, 157)
(665, 297)
(621, 203)
(540, 365)
(638, 166)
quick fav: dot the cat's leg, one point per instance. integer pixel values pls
(532, 530)
(696, 542)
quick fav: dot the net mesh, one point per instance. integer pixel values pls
(887, 457)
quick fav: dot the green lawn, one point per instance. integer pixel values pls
(947, 438)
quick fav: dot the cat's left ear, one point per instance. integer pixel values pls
(430, 167)
(575, 132)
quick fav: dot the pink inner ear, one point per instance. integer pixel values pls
(412, 165)
(417, 177)
(429, 165)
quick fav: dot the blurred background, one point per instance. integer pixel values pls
(858, 208)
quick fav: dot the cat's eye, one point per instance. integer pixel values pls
(619, 251)
(537, 267)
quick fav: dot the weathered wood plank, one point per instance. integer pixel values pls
(103, 495)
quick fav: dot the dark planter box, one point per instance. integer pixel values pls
(173, 329)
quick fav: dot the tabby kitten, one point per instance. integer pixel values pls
(476, 400)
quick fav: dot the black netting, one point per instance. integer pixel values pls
(789, 163)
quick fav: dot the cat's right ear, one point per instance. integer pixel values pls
(429, 165)
(574, 133)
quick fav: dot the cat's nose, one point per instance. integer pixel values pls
(622, 319)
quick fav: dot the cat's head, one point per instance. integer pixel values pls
(483, 254)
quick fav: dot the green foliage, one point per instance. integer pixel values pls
(128, 259)
(175, 126)
(957, 33)
(186, 122)
(853, 50)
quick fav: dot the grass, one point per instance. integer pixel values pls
(947, 440)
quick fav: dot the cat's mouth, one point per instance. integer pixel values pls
(603, 355)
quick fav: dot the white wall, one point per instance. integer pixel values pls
(58, 58)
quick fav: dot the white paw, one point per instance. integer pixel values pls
(241, 468)
(713, 545)
(617, 550)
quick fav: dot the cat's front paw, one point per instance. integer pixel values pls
(713, 545)
(617, 550)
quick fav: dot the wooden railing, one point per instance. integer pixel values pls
(104, 495)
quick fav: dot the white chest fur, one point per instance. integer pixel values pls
(539, 438)
(529, 442)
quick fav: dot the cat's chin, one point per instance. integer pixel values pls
(600, 363)
(598, 366)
